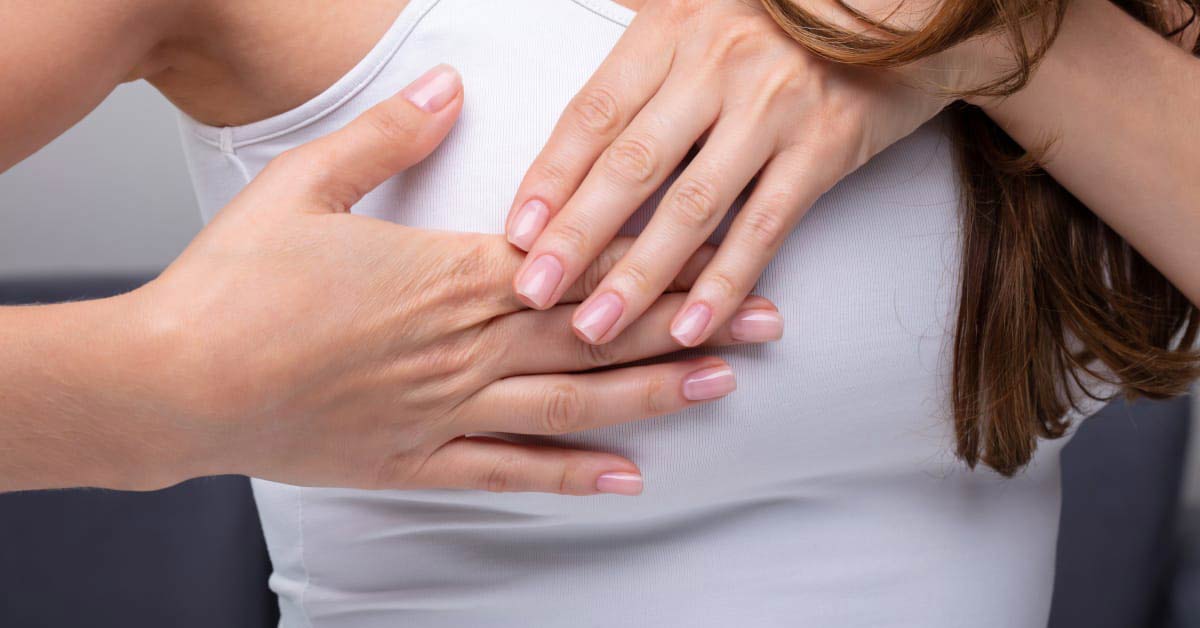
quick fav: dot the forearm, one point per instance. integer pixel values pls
(78, 399)
(1119, 107)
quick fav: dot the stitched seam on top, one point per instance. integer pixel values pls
(353, 91)
(608, 10)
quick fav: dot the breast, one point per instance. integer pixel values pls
(830, 467)
(867, 283)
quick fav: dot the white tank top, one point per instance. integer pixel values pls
(824, 492)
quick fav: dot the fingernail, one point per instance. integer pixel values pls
(757, 326)
(620, 483)
(540, 280)
(435, 89)
(595, 318)
(528, 224)
(710, 383)
(688, 327)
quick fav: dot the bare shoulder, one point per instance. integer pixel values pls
(231, 62)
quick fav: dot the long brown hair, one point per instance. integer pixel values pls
(1051, 297)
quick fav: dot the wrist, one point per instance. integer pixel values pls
(165, 361)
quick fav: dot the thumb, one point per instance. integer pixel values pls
(334, 172)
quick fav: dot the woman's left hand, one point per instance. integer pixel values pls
(720, 71)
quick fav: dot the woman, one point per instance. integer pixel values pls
(826, 493)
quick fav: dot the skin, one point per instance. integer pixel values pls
(141, 391)
(717, 72)
(295, 341)
(765, 109)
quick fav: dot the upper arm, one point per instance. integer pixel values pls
(60, 58)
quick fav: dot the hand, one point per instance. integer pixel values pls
(767, 109)
(301, 343)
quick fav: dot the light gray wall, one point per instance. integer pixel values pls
(112, 195)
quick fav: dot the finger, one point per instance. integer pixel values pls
(587, 282)
(559, 350)
(625, 175)
(689, 213)
(786, 189)
(621, 86)
(564, 404)
(334, 172)
(603, 265)
(491, 464)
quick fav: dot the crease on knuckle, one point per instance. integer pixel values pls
(392, 126)
(552, 172)
(764, 228)
(722, 285)
(569, 468)
(562, 409)
(596, 356)
(635, 276)
(316, 174)
(596, 110)
(655, 402)
(501, 475)
(631, 160)
(694, 203)
(737, 41)
(595, 272)
(573, 237)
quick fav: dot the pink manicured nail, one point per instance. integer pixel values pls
(687, 328)
(710, 383)
(528, 224)
(595, 318)
(540, 280)
(757, 326)
(435, 89)
(620, 483)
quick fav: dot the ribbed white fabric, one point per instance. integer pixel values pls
(822, 493)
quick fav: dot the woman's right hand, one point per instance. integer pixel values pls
(304, 344)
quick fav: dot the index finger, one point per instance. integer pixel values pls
(617, 91)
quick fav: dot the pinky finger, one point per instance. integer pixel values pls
(492, 464)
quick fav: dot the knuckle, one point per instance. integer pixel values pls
(562, 409)
(764, 228)
(631, 160)
(694, 203)
(564, 478)
(637, 277)
(596, 110)
(595, 273)
(573, 236)
(316, 174)
(654, 401)
(595, 356)
(552, 172)
(501, 475)
(738, 40)
(722, 285)
(391, 124)
(685, 8)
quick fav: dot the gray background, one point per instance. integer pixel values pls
(113, 196)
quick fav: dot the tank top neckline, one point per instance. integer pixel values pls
(230, 138)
